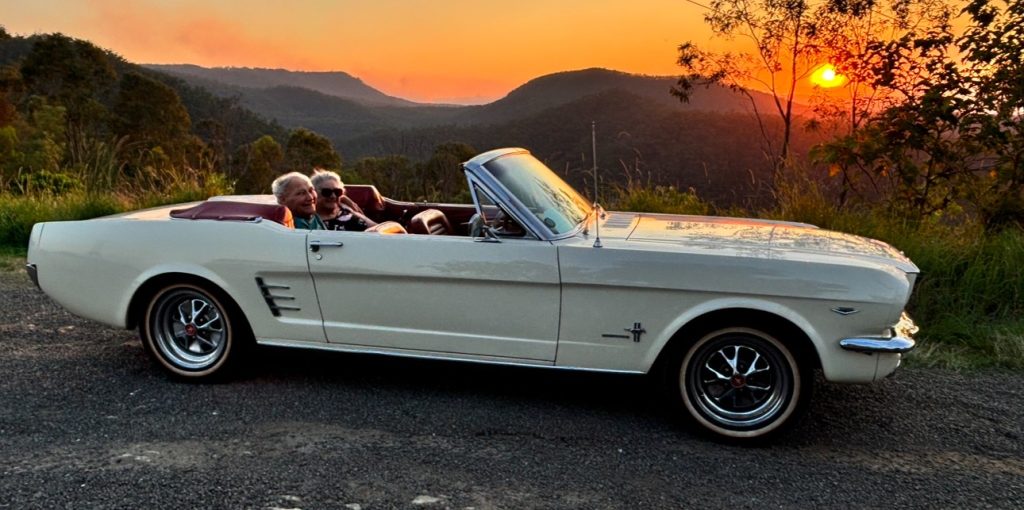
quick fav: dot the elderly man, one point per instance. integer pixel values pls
(295, 191)
(337, 211)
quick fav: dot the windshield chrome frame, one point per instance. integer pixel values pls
(477, 172)
(474, 182)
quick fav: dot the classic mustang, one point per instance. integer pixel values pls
(734, 315)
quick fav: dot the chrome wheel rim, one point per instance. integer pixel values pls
(189, 329)
(739, 381)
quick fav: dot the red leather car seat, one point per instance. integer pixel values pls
(388, 227)
(430, 221)
(366, 197)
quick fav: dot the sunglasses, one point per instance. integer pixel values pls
(332, 192)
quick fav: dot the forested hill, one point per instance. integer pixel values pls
(64, 104)
(104, 96)
(712, 143)
(719, 154)
(343, 119)
(75, 117)
(332, 83)
(562, 88)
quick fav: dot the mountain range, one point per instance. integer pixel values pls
(343, 107)
(712, 143)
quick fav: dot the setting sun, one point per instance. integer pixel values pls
(826, 76)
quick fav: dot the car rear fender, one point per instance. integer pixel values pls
(148, 282)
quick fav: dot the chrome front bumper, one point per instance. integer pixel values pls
(896, 344)
(33, 273)
(900, 341)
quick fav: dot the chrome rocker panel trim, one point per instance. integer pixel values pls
(402, 353)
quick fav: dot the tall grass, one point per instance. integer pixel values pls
(26, 207)
(969, 296)
(19, 212)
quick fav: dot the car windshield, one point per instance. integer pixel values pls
(556, 204)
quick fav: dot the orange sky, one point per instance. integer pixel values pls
(462, 51)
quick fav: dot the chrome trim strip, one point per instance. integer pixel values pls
(432, 356)
(33, 274)
(843, 310)
(271, 299)
(896, 344)
(272, 286)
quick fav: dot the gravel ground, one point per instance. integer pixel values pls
(88, 421)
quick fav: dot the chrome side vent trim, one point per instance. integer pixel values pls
(845, 310)
(272, 299)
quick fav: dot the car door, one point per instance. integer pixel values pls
(438, 293)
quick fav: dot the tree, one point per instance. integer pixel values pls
(393, 175)
(953, 135)
(36, 145)
(306, 150)
(783, 37)
(75, 75)
(10, 87)
(263, 159)
(151, 115)
(441, 176)
(792, 39)
(992, 49)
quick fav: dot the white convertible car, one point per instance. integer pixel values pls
(735, 315)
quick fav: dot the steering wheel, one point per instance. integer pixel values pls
(476, 225)
(501, 221)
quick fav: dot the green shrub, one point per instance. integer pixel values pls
(19, 212)
(657, 199)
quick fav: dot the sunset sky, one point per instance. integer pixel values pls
(465, 51)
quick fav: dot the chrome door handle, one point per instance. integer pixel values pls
(316, 244)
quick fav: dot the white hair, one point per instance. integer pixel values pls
(320, 175)
(280, 185)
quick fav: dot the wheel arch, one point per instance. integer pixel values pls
(784, 328)
(145, 292)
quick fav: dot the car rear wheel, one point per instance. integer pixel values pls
(741, 384)
(190, 331)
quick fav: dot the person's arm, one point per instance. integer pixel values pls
(368, 221)
(357, 215)
(348, 202)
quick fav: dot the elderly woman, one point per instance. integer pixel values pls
(337, 211)
(295, 191)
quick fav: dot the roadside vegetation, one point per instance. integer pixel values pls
(969, 297)
(925, 153)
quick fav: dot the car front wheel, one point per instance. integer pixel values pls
(190, 331)
(741, 384)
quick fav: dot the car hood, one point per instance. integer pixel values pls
(748, 237)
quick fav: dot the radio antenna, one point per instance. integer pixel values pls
(597, 206)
